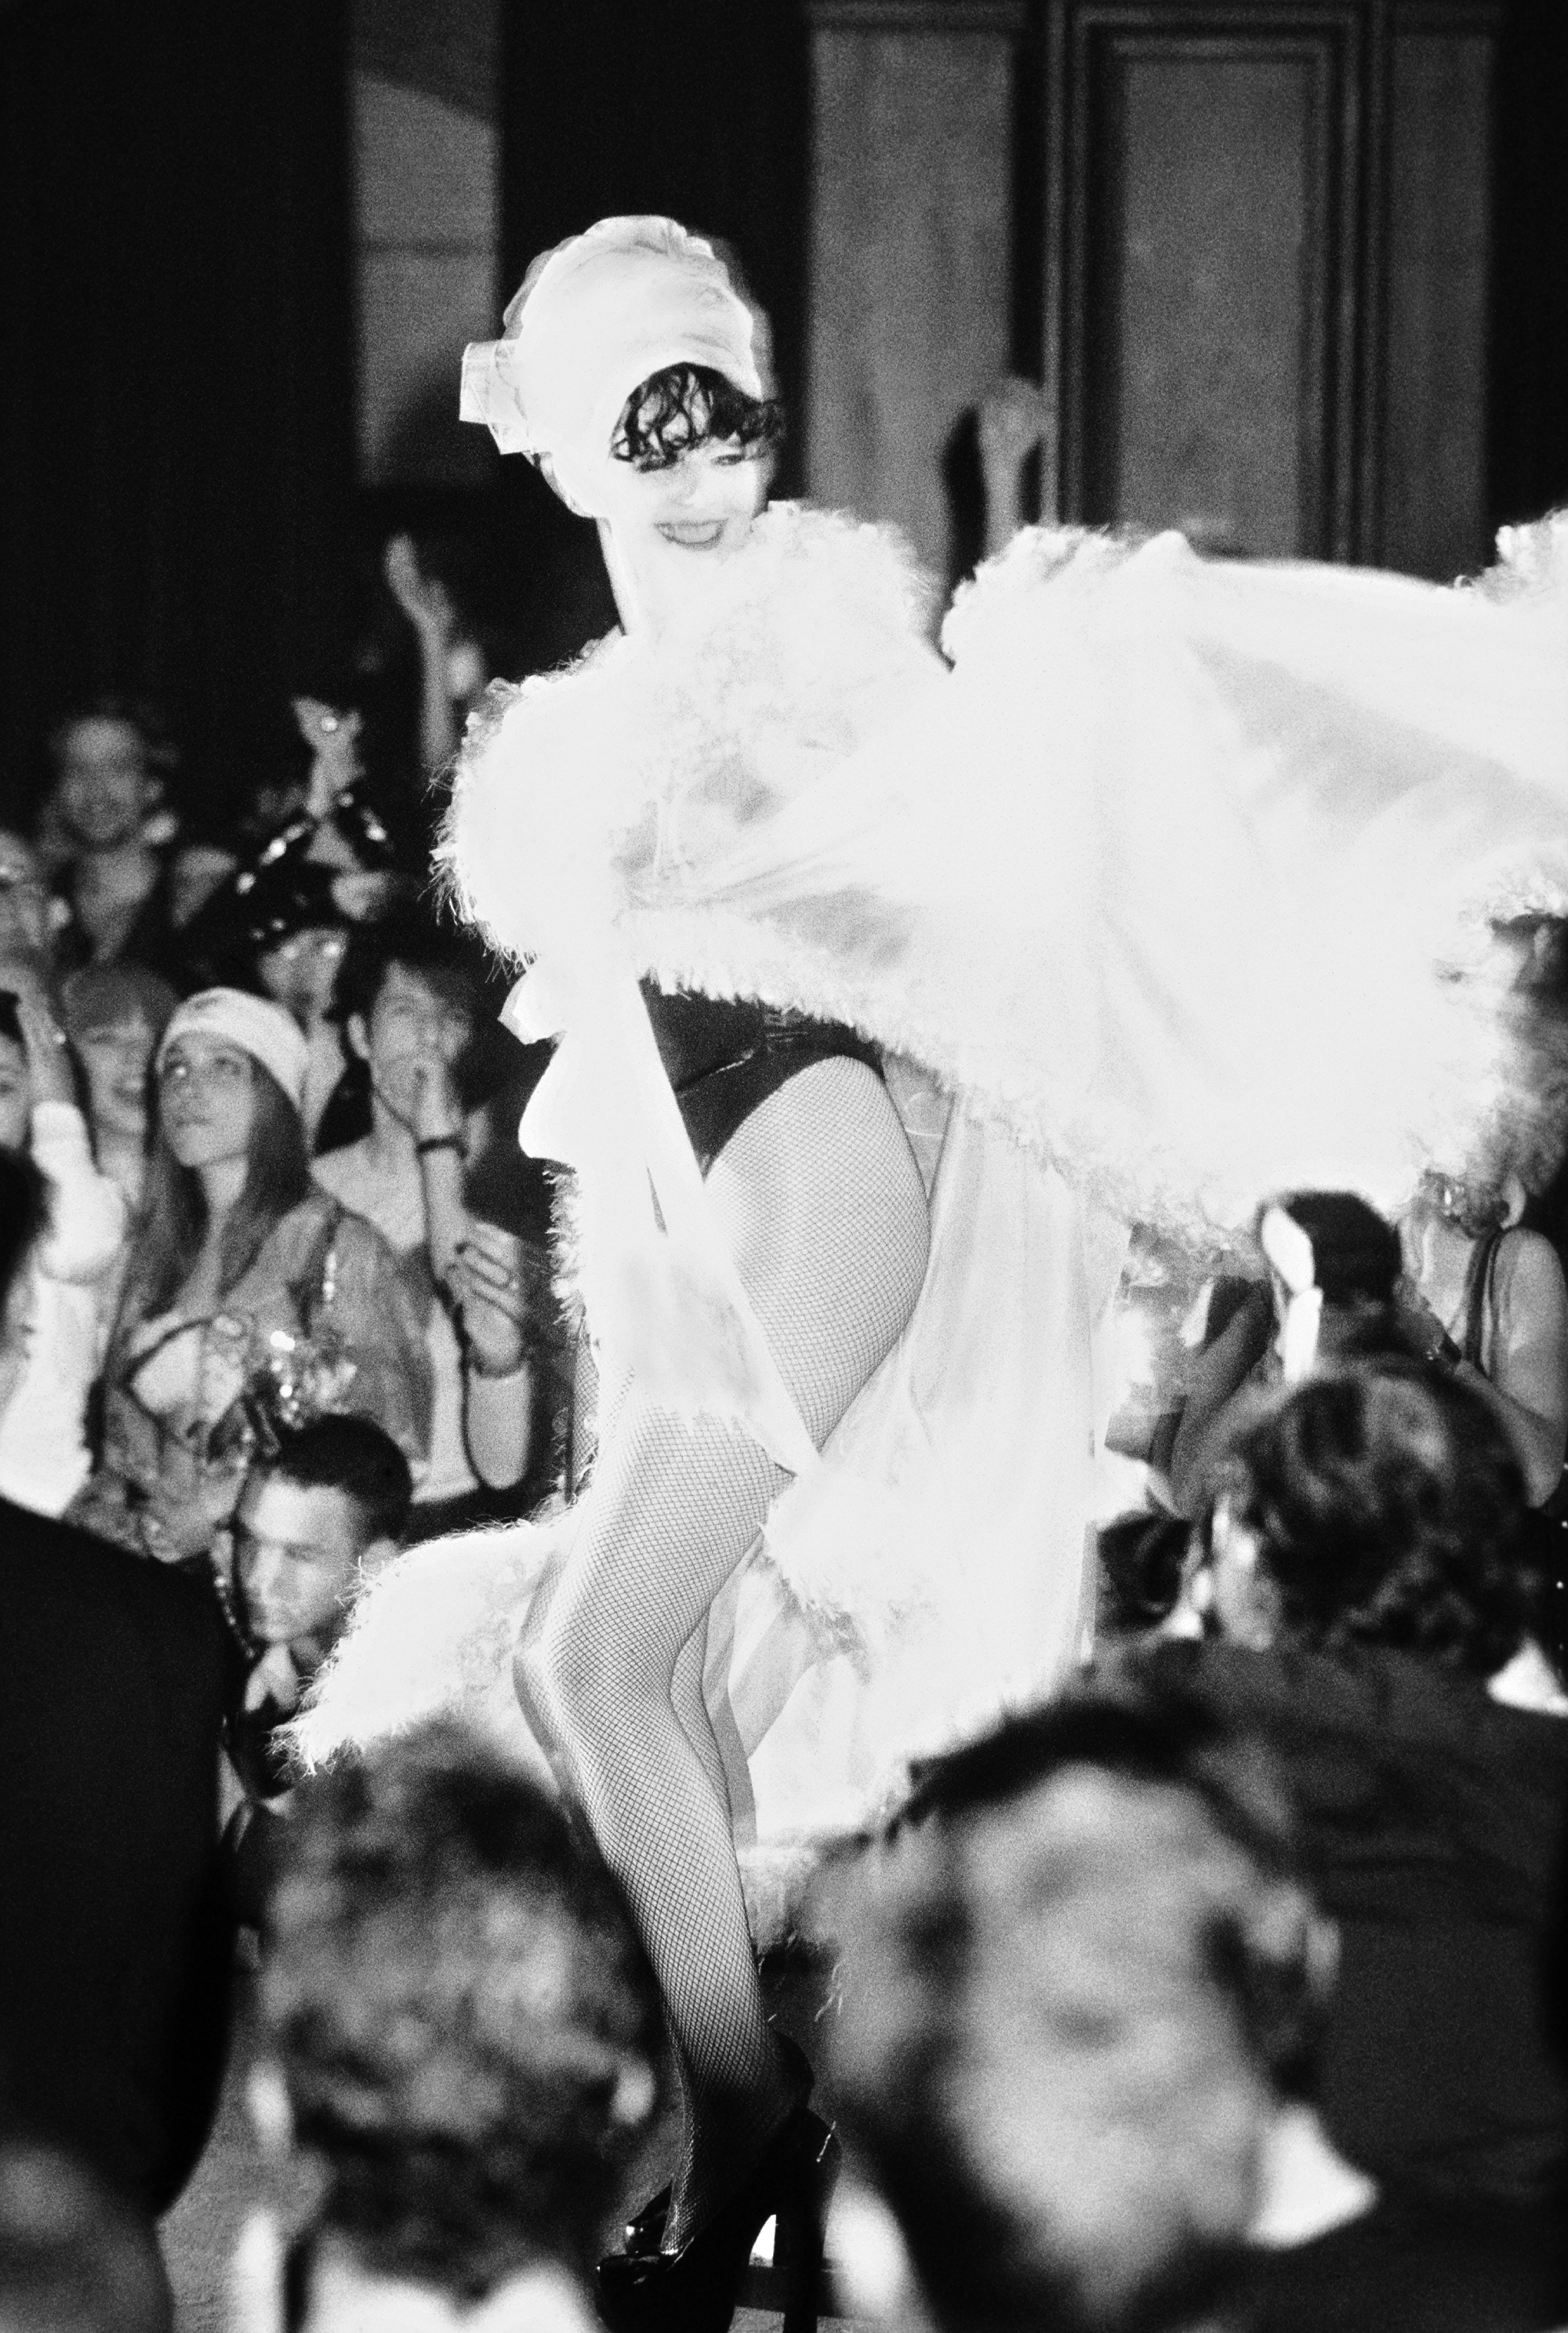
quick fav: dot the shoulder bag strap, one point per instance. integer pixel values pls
(1478, 1280)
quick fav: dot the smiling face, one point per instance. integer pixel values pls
(666, 530)
(115, 1055)
(106, 789)
(206, 1100)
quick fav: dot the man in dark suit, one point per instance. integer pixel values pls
(114, 1943)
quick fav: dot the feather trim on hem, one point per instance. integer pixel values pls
(433, 1633)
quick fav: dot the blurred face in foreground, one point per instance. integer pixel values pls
(1039, 2043)
(1109, 2092)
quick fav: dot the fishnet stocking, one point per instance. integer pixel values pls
(826, 1216)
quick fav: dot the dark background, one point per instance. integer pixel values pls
(180, 511)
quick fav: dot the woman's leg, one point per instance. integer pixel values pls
(826, 1213)
(721, 1765)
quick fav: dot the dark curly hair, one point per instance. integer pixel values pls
(354, 1456)
(443, 958)
(686, 406)
(958, 1996)
(457, 1995)
(1389, 1507)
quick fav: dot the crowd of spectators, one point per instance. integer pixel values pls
(262, 1077)
(1222, 1992)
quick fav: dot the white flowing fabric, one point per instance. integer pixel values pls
(1161, 888)
(977, 1584)
(1162, 876)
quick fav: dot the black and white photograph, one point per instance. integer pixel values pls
(783, 1165)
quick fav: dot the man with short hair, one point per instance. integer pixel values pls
(1081, 1988)
(469, 2041)
(331, 1501)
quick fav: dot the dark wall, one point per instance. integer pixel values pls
(695, 108)
(1529, 339)
(175, 416)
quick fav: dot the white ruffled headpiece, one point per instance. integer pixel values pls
(606, 309)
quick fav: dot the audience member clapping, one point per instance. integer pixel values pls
(468, 2035)
(54, 1332)
(409, 1009)
(250, 1293)
(1081, 1990)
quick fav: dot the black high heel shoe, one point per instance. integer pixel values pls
(644, 2231)
(694, 2289)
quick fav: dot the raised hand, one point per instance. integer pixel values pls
(423, 599)
(1015, 417)
(333, 738)
(48, 1058)
(488, 1288)
(437, 1115)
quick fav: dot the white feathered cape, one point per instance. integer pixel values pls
(1151, 889)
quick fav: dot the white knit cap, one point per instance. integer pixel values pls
(607, 309)
(263, 1031)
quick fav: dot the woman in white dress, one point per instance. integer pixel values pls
(1115, 887)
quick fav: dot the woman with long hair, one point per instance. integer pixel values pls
(840, 1308)
(114, 1015)
(250, 1292)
